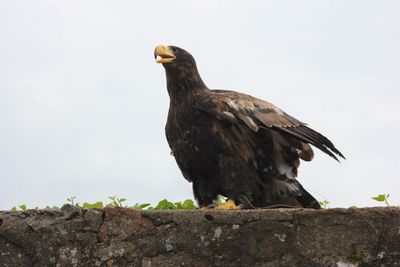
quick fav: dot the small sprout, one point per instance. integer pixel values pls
(324, 203)
(23, 207)
(382, 198)
(14, 208)
(116, 201)
(71, 199)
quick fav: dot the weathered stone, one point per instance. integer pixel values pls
(126, 237)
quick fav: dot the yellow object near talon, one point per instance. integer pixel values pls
(228, 205)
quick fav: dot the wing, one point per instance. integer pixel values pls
(256, 113)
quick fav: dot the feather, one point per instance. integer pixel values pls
(229, 116)
(306, 153)
(249, 122)
(320, 143)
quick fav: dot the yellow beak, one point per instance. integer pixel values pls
(165, 53)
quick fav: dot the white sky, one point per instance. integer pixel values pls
(83, 104)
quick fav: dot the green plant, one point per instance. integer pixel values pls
(382, 198)
(164, 204)
(96, 205)
(187, 204)
(116, 201)
(21, 207)
(71, 200)
(324, 203)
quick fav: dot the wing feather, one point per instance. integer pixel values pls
(256, 113)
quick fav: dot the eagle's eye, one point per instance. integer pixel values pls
(175, 50)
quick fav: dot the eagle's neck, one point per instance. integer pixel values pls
(183, 80)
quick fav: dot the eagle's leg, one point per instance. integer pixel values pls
(203, 193)
(228, 205)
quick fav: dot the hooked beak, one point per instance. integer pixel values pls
(164, 54)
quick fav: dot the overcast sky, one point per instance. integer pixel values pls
(83, 104)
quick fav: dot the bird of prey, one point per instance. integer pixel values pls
(232, 144)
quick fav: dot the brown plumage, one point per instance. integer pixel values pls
(232, 144)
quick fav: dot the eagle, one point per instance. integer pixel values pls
(234, 145)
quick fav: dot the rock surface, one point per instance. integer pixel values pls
(126, 237)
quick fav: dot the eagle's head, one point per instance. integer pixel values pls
(180, 68)
(172, 56)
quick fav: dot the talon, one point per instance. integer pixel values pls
(229, 205)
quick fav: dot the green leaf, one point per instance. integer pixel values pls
(165, 205)
(96, 205)
(122, 199)
(14, 208)
(188, 204)
(178, 205)
(380, 198)
(86, 205)
(23, 207)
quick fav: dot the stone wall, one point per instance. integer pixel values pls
(126, 237)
